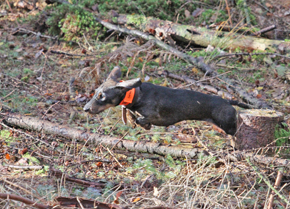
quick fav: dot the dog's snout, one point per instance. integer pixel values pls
(87, 107)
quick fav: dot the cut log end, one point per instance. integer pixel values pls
(256, 127)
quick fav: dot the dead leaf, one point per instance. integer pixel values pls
(119, 194)
(99, 164)
(114, 48)
(136, 199)
(218, 129)
(38, 54)
(187, 13)
(22, 152)
(268, 5)
(197, 12)
(269, 14)
(7, 156)
(194, 70)
(164, 83)
(116, 202)
(155, 193)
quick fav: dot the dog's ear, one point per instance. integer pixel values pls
(115, 74)
(130, 84)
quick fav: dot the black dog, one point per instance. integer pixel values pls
(162, 106)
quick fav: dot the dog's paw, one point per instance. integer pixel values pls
(147, 126)
(143, 123)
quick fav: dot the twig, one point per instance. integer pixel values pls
(120, 140)
(58, 173)
(80, 202)
(276, 185)
(114, 157)
(197, 83)
(19, 187)
(4, 107)
(229, 12)
(9, 5)
(23, 30)
(24, 200)
(49, 109)
(68, 54)
(73, 201)
(247, 54)
(8, 94)
(147, 178)
(264, 30)
(267, 182)
(25, 167)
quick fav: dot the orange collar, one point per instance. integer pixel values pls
(128, 99)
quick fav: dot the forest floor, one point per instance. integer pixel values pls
(35, 81)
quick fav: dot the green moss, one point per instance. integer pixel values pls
(72, 20)
(282, 135)
(137, 20)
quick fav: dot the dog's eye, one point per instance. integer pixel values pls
(101, 97)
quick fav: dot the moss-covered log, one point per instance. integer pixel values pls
(200, 35)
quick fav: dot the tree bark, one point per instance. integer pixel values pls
(256, 128)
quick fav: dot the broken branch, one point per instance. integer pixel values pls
(24, 200)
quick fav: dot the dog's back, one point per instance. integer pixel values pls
(164, 106)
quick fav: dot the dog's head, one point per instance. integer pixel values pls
(111, 92)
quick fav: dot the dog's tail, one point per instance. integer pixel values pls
(243, 105)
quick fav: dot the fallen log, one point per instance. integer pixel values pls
(35, 124)
(150, 147)
(191, 34)
(199, 35)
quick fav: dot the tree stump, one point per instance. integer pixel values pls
(256, 127)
